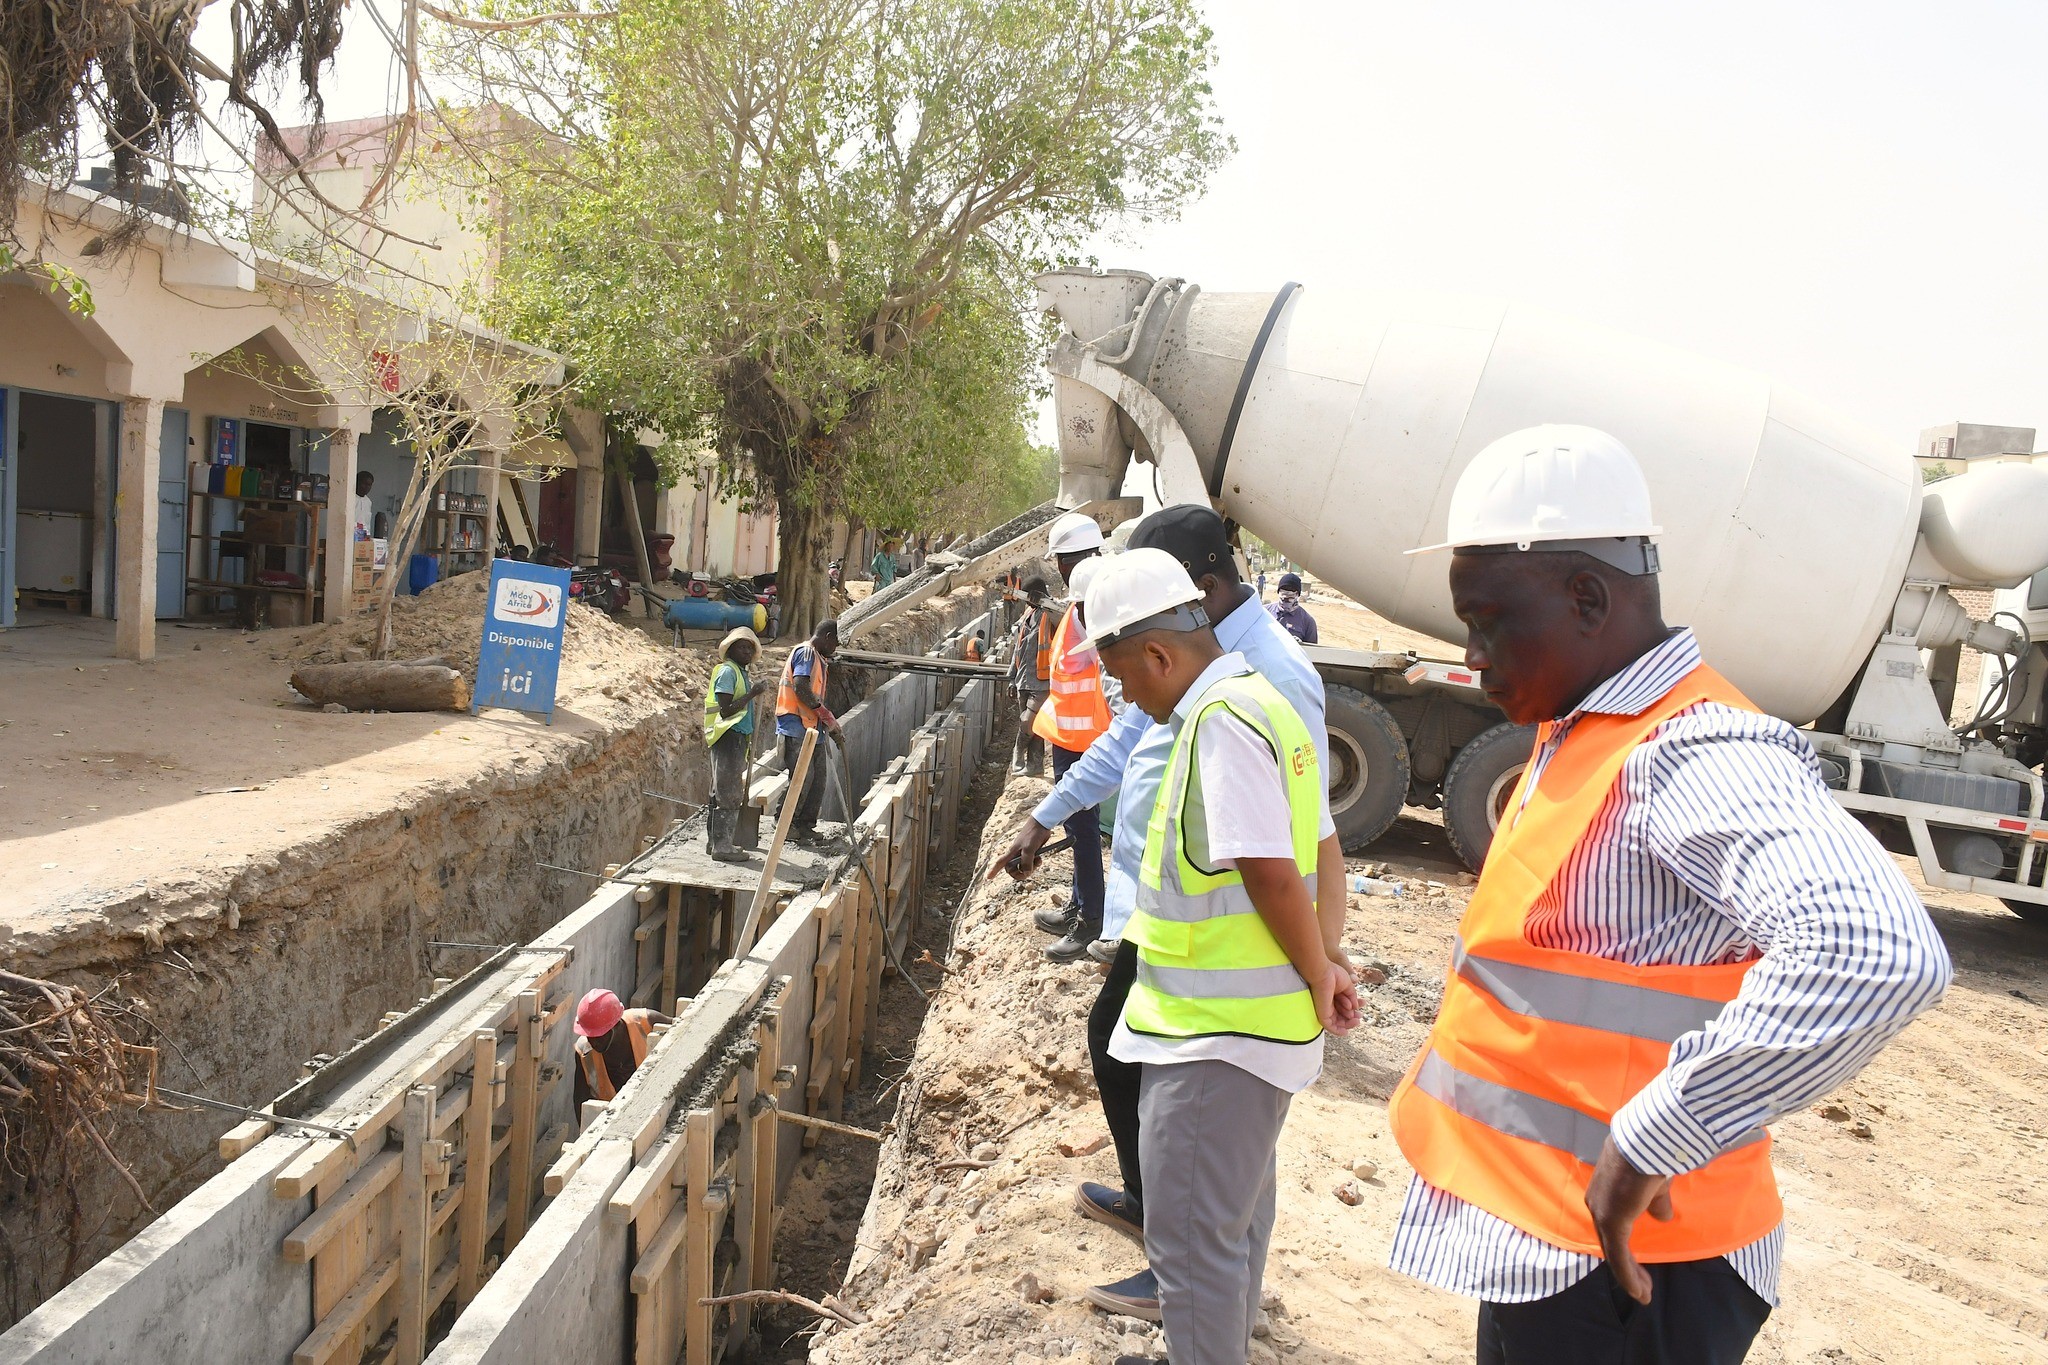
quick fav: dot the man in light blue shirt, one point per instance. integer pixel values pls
(1129, 761)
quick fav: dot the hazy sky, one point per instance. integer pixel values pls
(1850, 197)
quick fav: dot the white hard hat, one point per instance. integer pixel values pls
(1072, 533)
(1558, 487)
(1140, 590)
(1084, 574)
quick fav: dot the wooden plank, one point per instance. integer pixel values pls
(413, 1231)
(700, 1241)
(524, 1087)
(320, 1159)
(451, 1107)
(646, 992)
(337, 1327)
(670, 943)
(244, 1136)
(644, 1181)
(661, 1249)
(783, 820)
(757, 1103)
(309, 1238)
(476, 1179)
(649, 927)
(355, 1245)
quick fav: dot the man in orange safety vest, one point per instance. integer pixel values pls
(1678, 936)
(1074, 715)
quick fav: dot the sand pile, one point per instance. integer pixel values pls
(447, 621)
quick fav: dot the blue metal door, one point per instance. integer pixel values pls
(170, 516)
(6, 508)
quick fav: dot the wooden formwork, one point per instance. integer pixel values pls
(684, 933)
(408, 1206)
(701, 1203)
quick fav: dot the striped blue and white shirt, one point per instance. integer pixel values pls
(1719, 843)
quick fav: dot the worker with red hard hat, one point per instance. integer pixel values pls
(611, 1042)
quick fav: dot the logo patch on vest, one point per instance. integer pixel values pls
(1304, 758)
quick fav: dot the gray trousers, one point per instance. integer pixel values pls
(1207, 1137)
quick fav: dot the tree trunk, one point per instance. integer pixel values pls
(371, 686)
(801, 593)
(630, 500)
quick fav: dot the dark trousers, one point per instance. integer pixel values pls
(729, 771)
(1118, 1081)
(1085, 829)
(1699, 1313)
(813, 794)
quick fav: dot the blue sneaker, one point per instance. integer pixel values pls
(1137, 1297)
(1111, 1209)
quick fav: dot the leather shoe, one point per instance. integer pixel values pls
(1111, 1208)
(1058, 922)
(1072, 946)
(1136, 1297)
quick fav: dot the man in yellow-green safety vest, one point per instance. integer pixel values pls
(729, 734)
(1234, 988)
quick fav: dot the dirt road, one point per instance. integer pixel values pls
(1914, 1198)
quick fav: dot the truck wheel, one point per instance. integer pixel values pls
(1477, 787)
(1368, 758)
(2033, 912)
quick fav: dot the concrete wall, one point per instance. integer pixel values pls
(560, 1296)
(165, 1295)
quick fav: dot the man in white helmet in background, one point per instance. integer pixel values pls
(1677, 938)
(1234, 986)
(1074, 715)
(1129, 762)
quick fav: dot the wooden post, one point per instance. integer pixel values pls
(670, 945)
(759, 1097)
(524, 1095)
(768, 865)
(476, 1152)
(414, 1231)
(700, 1236)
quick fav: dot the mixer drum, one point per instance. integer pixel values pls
(1787, 529)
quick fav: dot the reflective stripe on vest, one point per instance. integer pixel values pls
(1076, 711)
(787, 703)
(715, 724)
(638, 1026)
(1535, 1049)
(1207, 963)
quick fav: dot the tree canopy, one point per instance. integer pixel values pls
(812, 223)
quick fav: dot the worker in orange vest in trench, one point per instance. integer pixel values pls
(1074, 715)
(611, 1042)
(1678, 936)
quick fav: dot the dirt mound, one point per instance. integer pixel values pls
(447, 620)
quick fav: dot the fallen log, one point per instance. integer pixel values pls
(374, 685)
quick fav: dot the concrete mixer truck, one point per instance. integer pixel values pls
(1805, 553)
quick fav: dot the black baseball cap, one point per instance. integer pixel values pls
(1191, 533)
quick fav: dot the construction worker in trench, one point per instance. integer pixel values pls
(1234, 988)
(1678, 937)
(1129, 763)
(611, 1042)
(1031, 672)
(729, 734)
(799, 706)
(1075, 714)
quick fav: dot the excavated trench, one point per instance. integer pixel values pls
(315, 946)
(823, 1205)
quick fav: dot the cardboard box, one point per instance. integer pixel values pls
(380, 552)
(362, 552)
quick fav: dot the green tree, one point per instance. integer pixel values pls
(811, 222)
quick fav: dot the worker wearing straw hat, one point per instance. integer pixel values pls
(729, 734)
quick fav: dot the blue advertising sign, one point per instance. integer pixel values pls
(526, 612)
